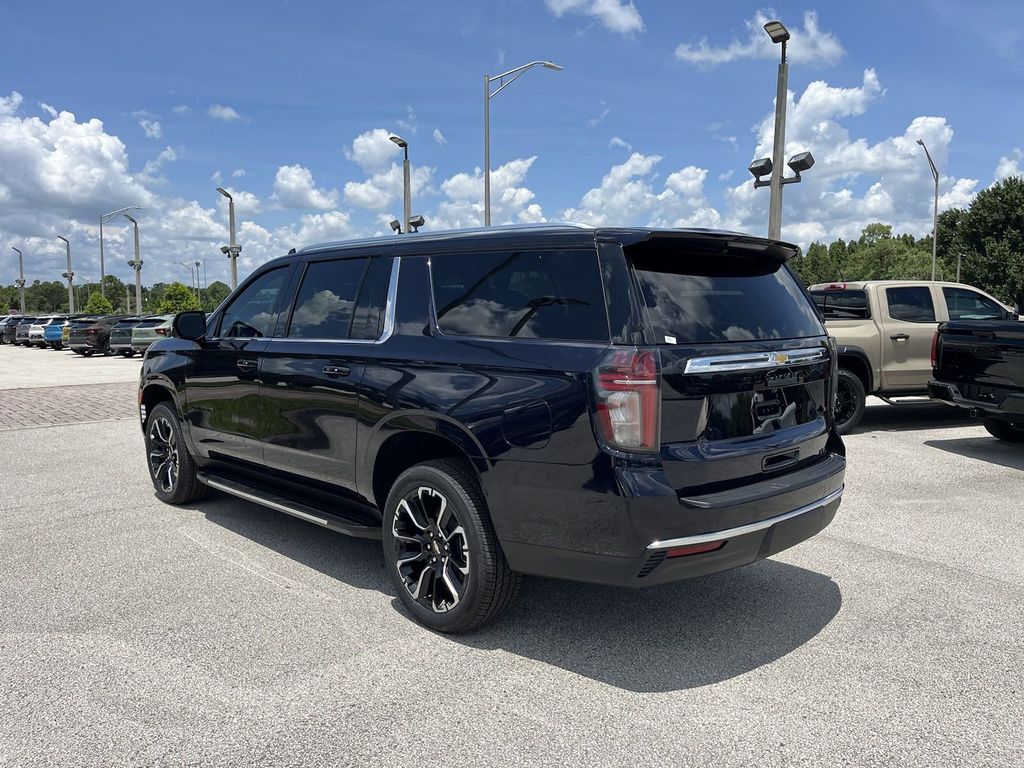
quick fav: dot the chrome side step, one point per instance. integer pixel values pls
(291, 507)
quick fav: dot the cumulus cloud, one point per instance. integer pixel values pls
(439, 138)
(809, 44)
(294, 188)
(151, 128)
(1010, 165)
(238, 173)
(222, 112)
(151, 171)
(9, 105)
(181, 109)
(372, 150)
(599, 118)
(511, 201)
(615, 15)
(385, 187)
(409, 124)
(617, 142)
(51, 111)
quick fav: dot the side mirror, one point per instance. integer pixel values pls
(190, 325)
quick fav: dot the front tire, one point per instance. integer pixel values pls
(1010, 431)
(171, 467)
(441, 551)
(850, 397)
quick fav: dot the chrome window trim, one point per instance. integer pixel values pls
(389, 315)
(732, 533)
(755, 360)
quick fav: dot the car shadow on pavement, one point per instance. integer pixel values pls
(910, 416)
(664, 638)
(984, 448)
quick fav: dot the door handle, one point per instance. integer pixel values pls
(336, 370)
(900, 337)
(246, 365)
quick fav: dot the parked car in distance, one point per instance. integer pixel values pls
(53, 332)
(21, 331)
(621, 406)
(8, 321)
(90, 336)
(884, 329)
(149, 330)
(121, 335)
(979, 366)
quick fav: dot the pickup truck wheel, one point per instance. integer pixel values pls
(1010, 431)
(850, 398)
(440, 549)
(171, 467)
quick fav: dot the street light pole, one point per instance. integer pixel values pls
(199, 285)
(512, 75)
(778, 34)
(935, 209)
(20, 282)
(69, 276)
(232, 249)
(406, 190)
(136, 263)
(104, 218)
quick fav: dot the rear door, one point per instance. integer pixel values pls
(909, 321)
(746, 367)
(311, 372)
(222, 383)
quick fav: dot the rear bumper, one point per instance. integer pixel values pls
(658, 564)
(1005, 404)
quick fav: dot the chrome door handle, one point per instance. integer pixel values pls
(336, 370)
(246, 365)
(900, 337)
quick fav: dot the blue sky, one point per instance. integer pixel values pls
(646, 124)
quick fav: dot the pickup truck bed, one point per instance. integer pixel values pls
(979, 366)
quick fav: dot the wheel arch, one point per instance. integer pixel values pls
(855, 360)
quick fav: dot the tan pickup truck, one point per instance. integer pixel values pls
(884, 330)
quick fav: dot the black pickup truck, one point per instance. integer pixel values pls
(979, 366)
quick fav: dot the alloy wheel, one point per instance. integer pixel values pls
(432, 550)
(846, 403)
(163, 454)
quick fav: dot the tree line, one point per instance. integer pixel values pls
(42, 297)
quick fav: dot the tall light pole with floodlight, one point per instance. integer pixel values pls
(232, 249)
(935, 209)
(136, 264)
(104, 218)
(199, 284)
(406, 181)
(512, 75)
(766, 165)
(69, 276)
(20, 282)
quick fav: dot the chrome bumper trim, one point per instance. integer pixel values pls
(732, 533)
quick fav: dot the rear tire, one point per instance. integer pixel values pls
(440, 549)
(171, 467)
(1010, 431)
(850, 397)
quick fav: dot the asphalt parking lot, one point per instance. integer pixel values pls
(222, 633)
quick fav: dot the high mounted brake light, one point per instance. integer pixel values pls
(628, 398)
(835, 287)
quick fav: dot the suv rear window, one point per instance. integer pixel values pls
(520, 294)
(847, 304)
(699, 297)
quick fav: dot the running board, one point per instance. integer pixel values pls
(291, 507)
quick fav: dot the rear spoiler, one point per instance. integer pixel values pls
(713, 242)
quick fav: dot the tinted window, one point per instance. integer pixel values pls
(696, 297)
(524, 294)
(842, 305)
(912, 304)
(371, 300)
(254, 311)
(323, 309)
(969, 305)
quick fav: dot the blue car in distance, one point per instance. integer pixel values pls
(52, 332)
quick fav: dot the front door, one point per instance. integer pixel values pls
(222, 384)
(908, 324)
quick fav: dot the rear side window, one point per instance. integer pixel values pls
(843, 304)
(970, 305)
(520, 294)
(698, 297)
(912, 303)
(327, 298)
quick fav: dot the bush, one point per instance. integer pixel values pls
(178, 298)
(98, 304)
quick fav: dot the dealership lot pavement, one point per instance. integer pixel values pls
(221, 633)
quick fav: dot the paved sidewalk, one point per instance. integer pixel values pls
(76, 404)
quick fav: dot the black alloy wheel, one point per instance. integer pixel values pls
(850, 398)
(171, 467)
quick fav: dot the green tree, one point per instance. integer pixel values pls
(214, 294)
(178, 298)
(98, 304)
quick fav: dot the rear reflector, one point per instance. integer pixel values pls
(695, 549)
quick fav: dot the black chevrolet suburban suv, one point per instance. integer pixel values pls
(621, 406)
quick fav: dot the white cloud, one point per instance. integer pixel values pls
(599, 118)
(51, 111)
(807, 45)
(151, 128)
(409, 124)
(627, 196)
(238, 173)
(246, 203)
(511, 201)
(617, 142)
(150, 172)
(615, 15)
(217, 178)
(372, 150)
(221, 112)
(385, 187)
(9, 105)
(181, 109)
(1010, 165)
(499, 61)
(439, 138)
(294, 188)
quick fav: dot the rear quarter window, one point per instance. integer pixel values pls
(850, 304)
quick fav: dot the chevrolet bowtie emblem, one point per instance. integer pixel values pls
(780, 358)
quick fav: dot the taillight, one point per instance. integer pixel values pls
(91, 331)
(628, 399)
(935, 349)
(161, 331)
